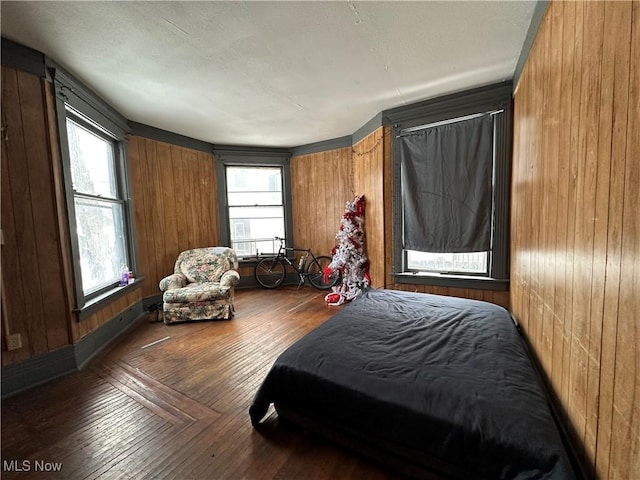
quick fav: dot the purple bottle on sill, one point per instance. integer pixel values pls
(124, 276)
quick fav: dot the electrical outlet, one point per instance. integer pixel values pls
(14, 341)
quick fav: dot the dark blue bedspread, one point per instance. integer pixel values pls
(442, 380)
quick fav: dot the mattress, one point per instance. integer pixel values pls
(427, 383)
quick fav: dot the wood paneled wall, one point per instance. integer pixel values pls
(575, 225)
(320, 187)
(323, 182)
(34, 294)
(109, 312)
(368, 180)
(36, 264)
(335, 177)
(174, 194)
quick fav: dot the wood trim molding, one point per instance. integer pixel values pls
(23, 58)
(159, 135)
(536, 21)
(367, 129)
(323, 146)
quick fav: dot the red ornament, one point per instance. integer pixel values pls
(360, 205)
(327, 271)
(333, 298)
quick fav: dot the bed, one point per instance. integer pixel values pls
(434, 386)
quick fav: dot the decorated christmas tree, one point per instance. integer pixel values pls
(349, 257)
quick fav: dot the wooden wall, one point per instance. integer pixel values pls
(321, 184)
(575, 225)
(32, 279)
(337, 176)
(368, 173)
(36, 262)
(174, 194)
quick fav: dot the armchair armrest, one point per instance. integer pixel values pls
(229, 278)
(175, 280)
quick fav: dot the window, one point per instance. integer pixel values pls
(451, 172)
(99, 208)
(93, 152)
(255, 208)
(470, 262)
(254, 188)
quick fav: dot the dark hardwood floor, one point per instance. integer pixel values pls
(171, 402)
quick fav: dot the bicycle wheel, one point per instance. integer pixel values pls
(315, 272)
(270, 272)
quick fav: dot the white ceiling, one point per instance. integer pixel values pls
(277, 74)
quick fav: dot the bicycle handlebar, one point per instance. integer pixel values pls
(283, 240)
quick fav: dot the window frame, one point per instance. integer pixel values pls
(251, 157)
(480, 100)
(74, 101)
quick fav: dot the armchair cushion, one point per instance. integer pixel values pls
(196, 292)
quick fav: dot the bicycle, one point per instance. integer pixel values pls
(271, 271)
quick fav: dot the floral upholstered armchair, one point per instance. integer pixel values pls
(202, 285)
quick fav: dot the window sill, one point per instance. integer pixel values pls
(106, 298)
(455, 281)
